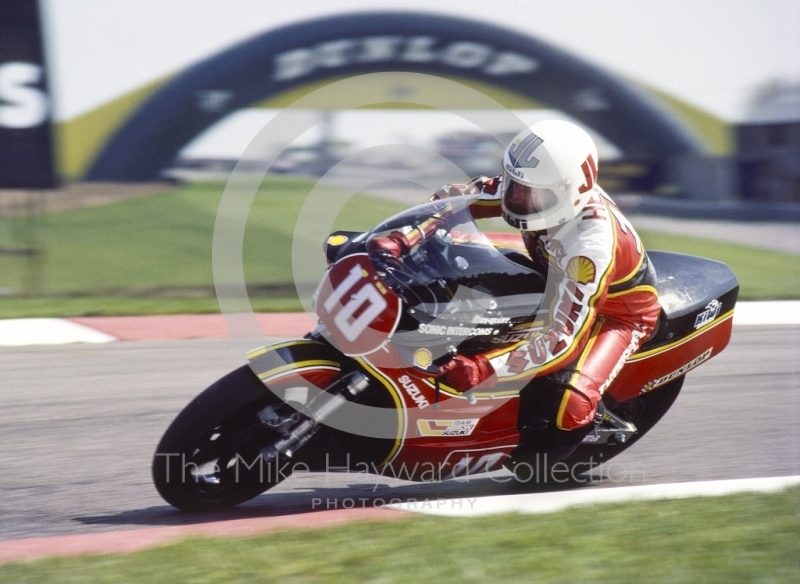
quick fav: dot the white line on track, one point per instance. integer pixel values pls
(770, 312)
(556, 501)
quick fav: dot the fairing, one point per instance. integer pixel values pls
(459, 289)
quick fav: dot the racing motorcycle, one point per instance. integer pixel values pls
(359, 393)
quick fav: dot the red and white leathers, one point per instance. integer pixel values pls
(604, 305)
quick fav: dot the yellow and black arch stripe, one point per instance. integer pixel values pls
(318, 51)
(292, 356)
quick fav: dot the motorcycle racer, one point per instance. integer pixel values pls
(604, 303)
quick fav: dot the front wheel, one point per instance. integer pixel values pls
(211, 455)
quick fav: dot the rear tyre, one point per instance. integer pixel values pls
(210, 456)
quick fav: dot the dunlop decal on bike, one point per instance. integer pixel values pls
(678, 372)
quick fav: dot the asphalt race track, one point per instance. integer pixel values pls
(79, 423)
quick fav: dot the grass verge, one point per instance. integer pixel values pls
(762, 274)
(740, 538)
(152, 255)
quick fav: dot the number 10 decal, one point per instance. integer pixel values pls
(359, 314)
(351, 327)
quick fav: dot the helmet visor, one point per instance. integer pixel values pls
(523, 200)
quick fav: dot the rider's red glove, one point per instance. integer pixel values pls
(462, 373)
(456, 190)
(394, 244)
(477, 185)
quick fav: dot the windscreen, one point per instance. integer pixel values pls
(453, 273)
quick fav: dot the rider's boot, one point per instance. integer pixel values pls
(542, 445)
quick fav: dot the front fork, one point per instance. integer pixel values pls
(298, 429)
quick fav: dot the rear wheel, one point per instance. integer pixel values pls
(210, 456)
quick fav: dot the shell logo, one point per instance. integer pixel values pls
(581, 270)
(423, 358)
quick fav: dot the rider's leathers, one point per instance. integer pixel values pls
(602, 304)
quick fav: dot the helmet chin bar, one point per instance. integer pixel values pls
(528, 225)
(518, 223)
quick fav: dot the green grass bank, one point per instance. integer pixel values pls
(153, 255)
(740, 538)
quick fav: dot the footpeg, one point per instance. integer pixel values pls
(610, 429)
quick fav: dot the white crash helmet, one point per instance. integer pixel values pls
(549, 171)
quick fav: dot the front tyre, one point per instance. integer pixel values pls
(210, 456)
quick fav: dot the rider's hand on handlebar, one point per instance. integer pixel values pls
(462, 373)
(456, 190)
(395, 244)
